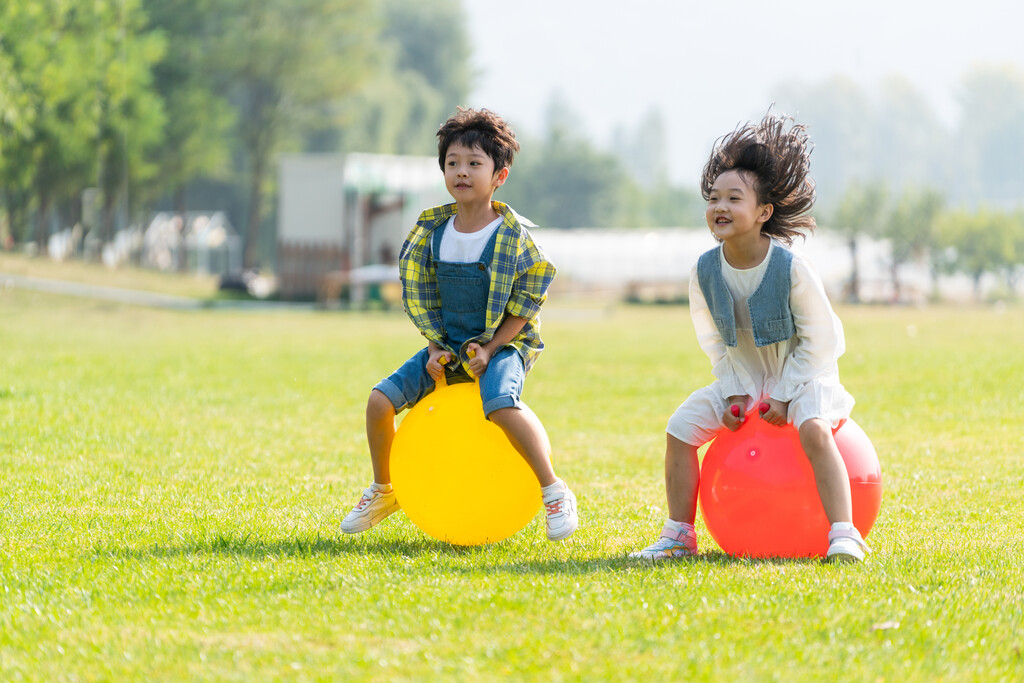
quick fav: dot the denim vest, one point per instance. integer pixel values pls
(769, 304)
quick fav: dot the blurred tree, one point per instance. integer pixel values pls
(1015, 269)
(432, 40)
(575, 185)
(15, 105)
(981, 243)
(991, 136)
(912, 230)
(17, 118)
(421, 73)
(859, 213)
(840, 121)
(908, 145)
(283, 61)
(660, 206)
(86, 114)
(199, 116)
(563, 181)
(49, 146)
(130, 112)
(647, 198)
(644, 150)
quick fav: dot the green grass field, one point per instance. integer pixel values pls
(171, 485)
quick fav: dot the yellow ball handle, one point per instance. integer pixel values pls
(442, 381)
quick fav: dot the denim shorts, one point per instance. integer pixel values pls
(500, 386)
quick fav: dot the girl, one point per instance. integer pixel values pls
(761, 314)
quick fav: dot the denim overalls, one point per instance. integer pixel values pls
(463, 289)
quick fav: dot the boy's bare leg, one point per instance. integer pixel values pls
(378, 500)
(380, 434)
(682, 479)
(527, 435)
(830, 473)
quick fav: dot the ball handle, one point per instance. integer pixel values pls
(442, 381)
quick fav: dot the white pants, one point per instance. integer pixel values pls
(699, 417)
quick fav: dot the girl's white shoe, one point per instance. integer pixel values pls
(845, 544)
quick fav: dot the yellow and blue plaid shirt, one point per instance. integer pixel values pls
(520, 276)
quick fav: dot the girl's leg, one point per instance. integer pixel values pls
(695, 420)
(829, 470)
(380, 434)
(682, 480)
(528, 436)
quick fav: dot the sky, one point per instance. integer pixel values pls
(709, 66)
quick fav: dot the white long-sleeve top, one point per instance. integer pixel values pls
(802, 370)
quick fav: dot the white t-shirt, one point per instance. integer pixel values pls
(465, 247)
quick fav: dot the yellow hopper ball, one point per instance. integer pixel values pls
(456, 475)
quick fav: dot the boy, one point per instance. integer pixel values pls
(473, 282)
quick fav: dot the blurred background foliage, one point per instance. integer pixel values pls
(186, 104)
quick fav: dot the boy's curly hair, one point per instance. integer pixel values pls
(472, 127)
(776, 161)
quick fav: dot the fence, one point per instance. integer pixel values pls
(302, 268)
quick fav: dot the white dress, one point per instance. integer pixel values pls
(803, 370)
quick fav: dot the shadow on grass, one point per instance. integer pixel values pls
(623, 562)
(490, 557)
(253, 547)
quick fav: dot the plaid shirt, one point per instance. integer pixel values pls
(520, 276)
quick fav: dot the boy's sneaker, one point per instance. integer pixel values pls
(374, 506)
(845, 544)
(560, 516)
(671, 544)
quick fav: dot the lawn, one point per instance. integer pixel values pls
(171, 485)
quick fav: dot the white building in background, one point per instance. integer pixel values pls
(658, 262)
(342, 217)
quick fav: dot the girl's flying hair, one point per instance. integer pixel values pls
(776, 162)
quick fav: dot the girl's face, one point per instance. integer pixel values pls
(734, 212)
(469, 174)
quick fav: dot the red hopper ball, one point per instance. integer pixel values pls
(758, 495)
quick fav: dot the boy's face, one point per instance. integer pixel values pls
(469, 174)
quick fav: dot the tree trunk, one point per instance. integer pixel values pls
(15, 221)
(107, 219)
(181, 209)
(894, 271)
(42, 225)
(252, 239)
(853, 295)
